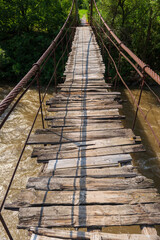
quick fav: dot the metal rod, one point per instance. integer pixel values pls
(55, 72)
(139, 100)
(67, 44)
(62, 57)
(116, 77)
(40, 100)
(5, 227)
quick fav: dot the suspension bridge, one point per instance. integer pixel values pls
(87, 181)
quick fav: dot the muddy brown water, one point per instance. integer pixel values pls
(14, 132)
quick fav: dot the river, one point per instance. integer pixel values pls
(14, 132)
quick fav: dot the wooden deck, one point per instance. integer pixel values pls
(87, 179)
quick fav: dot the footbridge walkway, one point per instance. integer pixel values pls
(87, 181)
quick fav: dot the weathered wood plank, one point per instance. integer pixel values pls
(95, 103)
(99, 108)
(86, 119)
(88, 113)
(105, 172)
(83, 153)
(88, 162)
(106, 137)
(55, 183)
(85, 216)
(90, 127)
(29, 198)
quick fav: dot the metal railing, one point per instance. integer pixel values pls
(33, 76)
(103, 31)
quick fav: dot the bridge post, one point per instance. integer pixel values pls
(55, 72)
(91, 11)
(139, 100)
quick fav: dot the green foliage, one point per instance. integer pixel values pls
(83, 4)
(83, 12)
(27, 29)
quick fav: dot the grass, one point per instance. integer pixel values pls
(83, 12)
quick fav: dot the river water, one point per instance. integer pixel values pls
(14, 132)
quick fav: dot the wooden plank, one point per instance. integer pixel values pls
(86, 216)
(55, 183)
(84, 90)
(67, 234)
(105, 137)
(104, 172)
(86, 119)
(89, 84)
(90, 127)
(108, 112)
(89, 76)
(88, 162)
(92, 152)
(48, 136)
(95, 103)
(106, 96)
(33, 198)
(78, 146)
(80, 108)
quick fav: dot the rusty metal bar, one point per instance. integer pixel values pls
(5, 227)
(40, 100)
(139, 100)
(62, 58)
(116, 77)
(55, 72)
(144, 66)
(158, 99)
(11, 96)
(67, 44)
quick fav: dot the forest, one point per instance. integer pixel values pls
(29, 26)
